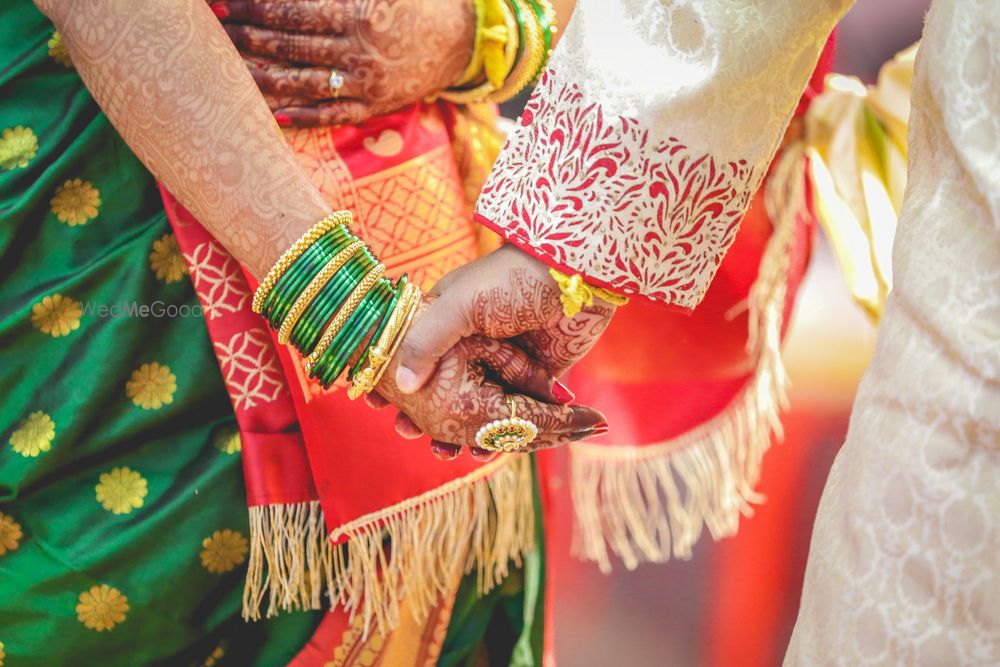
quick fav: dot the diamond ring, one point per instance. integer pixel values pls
(336, 82)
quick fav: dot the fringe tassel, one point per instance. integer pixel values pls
(291, 561)
(483, 522)
(648, 502)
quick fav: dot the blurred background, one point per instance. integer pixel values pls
(734, 603)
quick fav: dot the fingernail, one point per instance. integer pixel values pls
(445, 452)
(221, 10)
(482, 455)
(600, 431)
(602, 425)
(282, 118)
(562, 393)
(406, 380)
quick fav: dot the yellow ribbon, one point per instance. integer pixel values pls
(575, 293)
(493, 42)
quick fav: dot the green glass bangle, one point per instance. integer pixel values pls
(300, 276)
(308, 330)
(291, 284)
(400, 284)
(545, 25)
(340, 233)
(520, 32)
(335, 358)
(362, 323)
(342, 284)
(348, 347)
(332, 363)
(544, 20)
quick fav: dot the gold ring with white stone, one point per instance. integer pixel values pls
(506, 435)
(336, 82)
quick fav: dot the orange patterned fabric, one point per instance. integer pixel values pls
(340, 641)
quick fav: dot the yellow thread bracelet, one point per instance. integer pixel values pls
(575, 293)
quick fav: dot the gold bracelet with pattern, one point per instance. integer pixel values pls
(290, 255)
(337, 323)
(411, 309)
(313, 288)
(575, 293)
(378, 355)
(533, 54)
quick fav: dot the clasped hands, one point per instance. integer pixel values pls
(491, 329)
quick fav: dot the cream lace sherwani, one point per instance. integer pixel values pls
(633, 164)
(904, 567)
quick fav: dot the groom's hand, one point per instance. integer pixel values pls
(505, 295)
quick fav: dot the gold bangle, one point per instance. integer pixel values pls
(345, 312)
(378, 356)
(411, 310)
(532, 56)
(313, 288)
(293, 253)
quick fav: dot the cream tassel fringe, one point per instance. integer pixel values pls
(485, 519)
(648, 502)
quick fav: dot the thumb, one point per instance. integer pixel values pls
(435, 330)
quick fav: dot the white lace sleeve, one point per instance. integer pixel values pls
(639, 151)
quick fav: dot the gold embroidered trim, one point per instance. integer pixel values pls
(648, 503)
(485, 519)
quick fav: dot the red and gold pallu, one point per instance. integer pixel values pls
(343, 511)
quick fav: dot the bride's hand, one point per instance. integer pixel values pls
(460, 397)
(390, 53)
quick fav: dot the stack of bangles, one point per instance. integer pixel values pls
(512, 47)
(328, 296)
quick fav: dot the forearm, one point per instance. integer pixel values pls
(173, 85)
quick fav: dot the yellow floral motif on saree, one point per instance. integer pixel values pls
(56, 315)
(76, 202)
(228, 442)
(121, 490)
(3, 654)
(101, 608)
(10, 534)
(223, 551)
(17, 146)
(166, 260)
(151, 386)
(34, 435)
(57, 50)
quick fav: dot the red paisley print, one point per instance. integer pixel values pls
(595, 193)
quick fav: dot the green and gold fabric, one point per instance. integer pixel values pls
(123, 519)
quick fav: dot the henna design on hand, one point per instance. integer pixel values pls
(460, 398)
(174, 87)
(390, 52)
